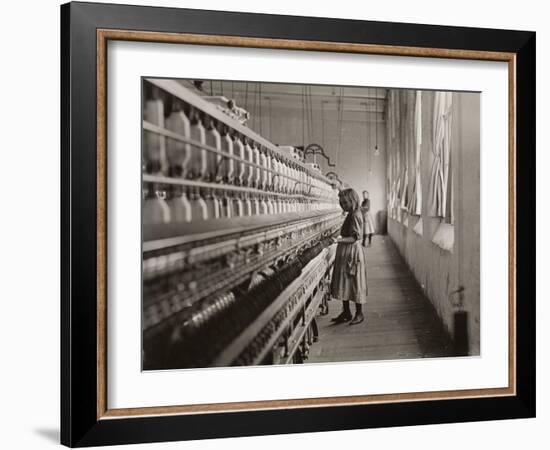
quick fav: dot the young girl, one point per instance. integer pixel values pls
(368, 223)
(349, 276)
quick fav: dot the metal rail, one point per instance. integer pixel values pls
(148, 126)
(240, 227)
(317, 267)
(161, 308)
(297, 335)
(159, 179)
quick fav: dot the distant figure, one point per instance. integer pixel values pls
(368, 223)
(349, 276)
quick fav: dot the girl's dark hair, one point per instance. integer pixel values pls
(351, 197)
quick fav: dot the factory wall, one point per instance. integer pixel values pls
(441, 272)
(355, 159)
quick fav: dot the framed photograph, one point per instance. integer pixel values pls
(279, 224)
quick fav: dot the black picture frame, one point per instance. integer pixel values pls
(80, 424)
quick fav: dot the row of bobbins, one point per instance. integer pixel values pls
(236, 177)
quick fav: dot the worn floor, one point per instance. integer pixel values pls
(400, 322)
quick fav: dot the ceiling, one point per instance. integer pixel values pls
(369, 103)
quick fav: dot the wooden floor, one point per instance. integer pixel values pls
(400, 322)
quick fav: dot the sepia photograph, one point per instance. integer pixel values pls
(304, 223)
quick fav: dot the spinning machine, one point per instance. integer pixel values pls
(236, 237)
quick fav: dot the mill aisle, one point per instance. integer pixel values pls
(400, 322)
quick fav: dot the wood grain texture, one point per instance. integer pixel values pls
(101, 223)
(512, 329)
(307, 402)
(238, 41)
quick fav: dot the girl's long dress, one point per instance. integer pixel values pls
(368, 222)
(349, 276)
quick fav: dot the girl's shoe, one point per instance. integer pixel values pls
(343, 317)
(357, 319)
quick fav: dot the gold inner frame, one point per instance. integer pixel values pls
(104, 35)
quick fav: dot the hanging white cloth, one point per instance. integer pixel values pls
(416, 198)
(441, 150)
(406, 152)
(392, 157)
(390, 125)
(405, 190)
